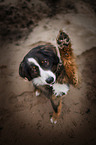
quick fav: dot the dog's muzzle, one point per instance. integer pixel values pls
(50, 80)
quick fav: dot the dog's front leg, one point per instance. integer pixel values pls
(57, 110)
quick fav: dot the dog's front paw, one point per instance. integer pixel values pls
(63, 39)
(53, 120)
(37, 92)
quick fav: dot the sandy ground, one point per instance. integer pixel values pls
(25, 118)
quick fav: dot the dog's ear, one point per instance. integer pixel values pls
(23, 71)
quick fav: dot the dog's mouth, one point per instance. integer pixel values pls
(51, 84)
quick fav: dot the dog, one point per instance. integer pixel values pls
(51, 74)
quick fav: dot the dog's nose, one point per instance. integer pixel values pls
(50, 80)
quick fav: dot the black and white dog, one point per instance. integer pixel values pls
(43, 67)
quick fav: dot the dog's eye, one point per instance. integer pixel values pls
(45, 62)
(34, 69)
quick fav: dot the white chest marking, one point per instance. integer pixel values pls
(44, 74)
(60, 89)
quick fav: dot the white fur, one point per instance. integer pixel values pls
(53, 121)
(60, 88)
(37, 93)
(43, 74)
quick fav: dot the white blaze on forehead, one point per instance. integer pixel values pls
(44, 74)
(33, 61)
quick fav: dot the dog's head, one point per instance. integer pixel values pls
(40, 65)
